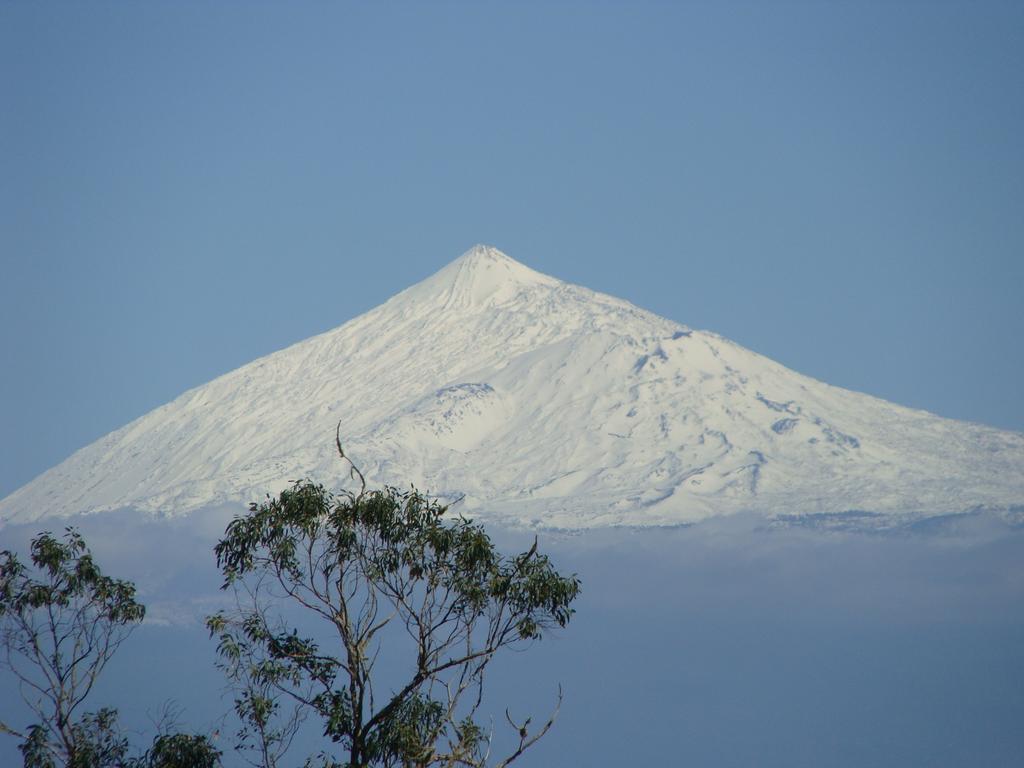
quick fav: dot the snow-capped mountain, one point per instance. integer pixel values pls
(542, 404)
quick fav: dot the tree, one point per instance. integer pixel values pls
(57, 633)
(178, 750)
(58, 630)
(414, 603)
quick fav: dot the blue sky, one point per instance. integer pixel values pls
(187, 186)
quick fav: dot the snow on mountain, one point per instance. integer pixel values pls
(542, 404)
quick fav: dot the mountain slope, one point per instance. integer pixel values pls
(542, 403)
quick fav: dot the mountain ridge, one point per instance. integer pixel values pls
(541, 403)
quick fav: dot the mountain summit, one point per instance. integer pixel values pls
(482, 275)
(540, 403)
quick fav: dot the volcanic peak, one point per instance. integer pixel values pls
(541, 403)
(481, 276)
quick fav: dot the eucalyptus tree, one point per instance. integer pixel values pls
(59, 627)
(402, 608)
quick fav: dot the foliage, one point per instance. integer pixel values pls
(179, 750)
(402, 589)
(57, 632)
(98, 743)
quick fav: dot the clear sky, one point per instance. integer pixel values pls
(187, 186)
